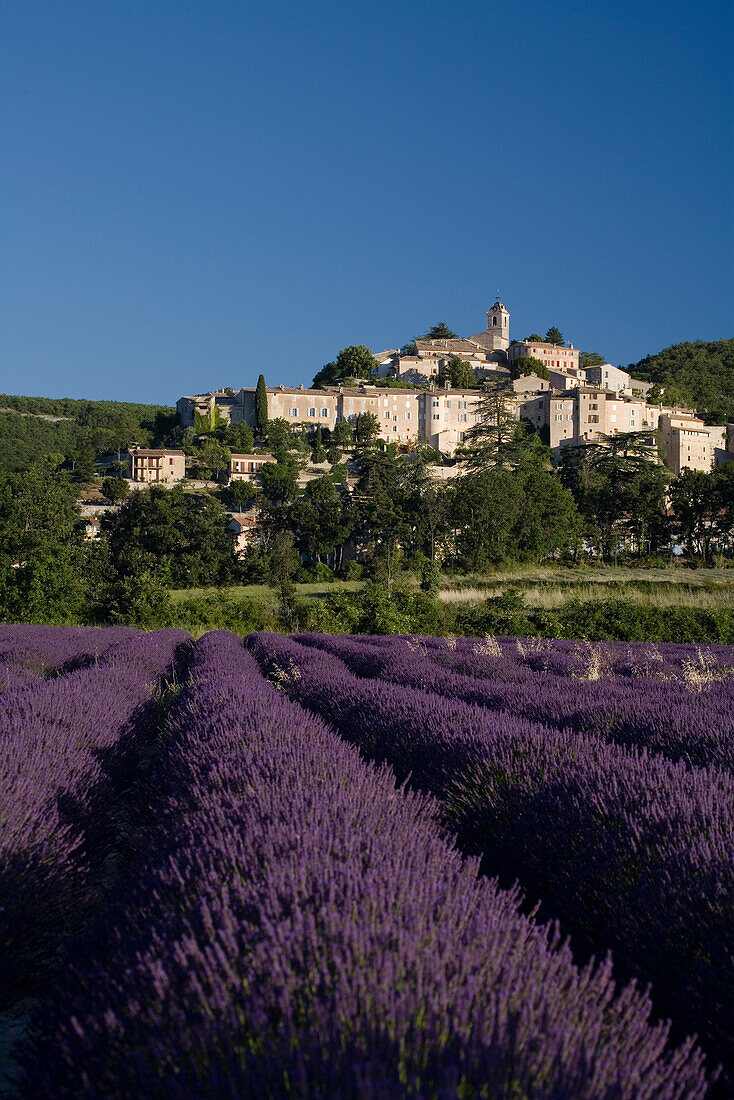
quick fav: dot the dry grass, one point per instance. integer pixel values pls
(706, 590)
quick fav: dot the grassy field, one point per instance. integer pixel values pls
(551, 588)
(542, 587)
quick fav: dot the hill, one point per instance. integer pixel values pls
(74, 430)
(699, 373)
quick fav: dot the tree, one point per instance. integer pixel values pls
(441, 331)
(284, 562)
(496, 439)
(460, 374)
(697, 502)
(318, 454)
(115, 489)
(425, 504)
(324, 519)
(140, 599)
(526, 365)
(341, 434)
(366, 428)
(41, 573)
(280, 479)
(591, 359)
(180, 537)
(214, 457)
(379, 498)
(523, 514)
(240, 438)
(355, 361)
(554, 336)
(609, 480)
(261, 407)
(239, 494)
(533, 339)
(279, 436)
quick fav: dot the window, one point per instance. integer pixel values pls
(293, 412)
(436, 416)
(312, 412)
(463, 417)
(407, 416)
(448, 404)
(559, 416)
(593, 419)
(435, 404)
(324, 412)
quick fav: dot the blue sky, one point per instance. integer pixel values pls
(194, 193)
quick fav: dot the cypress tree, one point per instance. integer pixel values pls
(261, 407)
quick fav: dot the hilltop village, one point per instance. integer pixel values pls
(449, 456)
(544, 382)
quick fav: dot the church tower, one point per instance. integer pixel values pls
(498, 326)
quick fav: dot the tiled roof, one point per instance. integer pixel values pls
(143, 452)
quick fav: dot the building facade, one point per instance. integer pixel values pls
(153, 466)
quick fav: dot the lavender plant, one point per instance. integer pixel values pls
(64, 744)
(683, 720)
(630, 851)
(293, 924)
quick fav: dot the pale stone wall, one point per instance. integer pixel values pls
(609, 377)
(690, 444)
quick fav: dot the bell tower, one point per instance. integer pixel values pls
(498, 326)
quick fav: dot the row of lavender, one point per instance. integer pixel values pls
(293, 924)
(67, 740)
(28, 654)
(630, 851)
(683, 663)
(685, 719)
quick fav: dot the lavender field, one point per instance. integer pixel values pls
(321, 866)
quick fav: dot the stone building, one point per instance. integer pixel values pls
(690, 444)
(154, 466)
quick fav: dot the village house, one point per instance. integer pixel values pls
(243, 526)
(247, 467)
(154, 466)
(690, 444)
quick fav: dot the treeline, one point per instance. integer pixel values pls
(368, 513)
(73, 433)
(698, 374)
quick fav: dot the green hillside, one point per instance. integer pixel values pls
(74, 430)
(699, 373)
